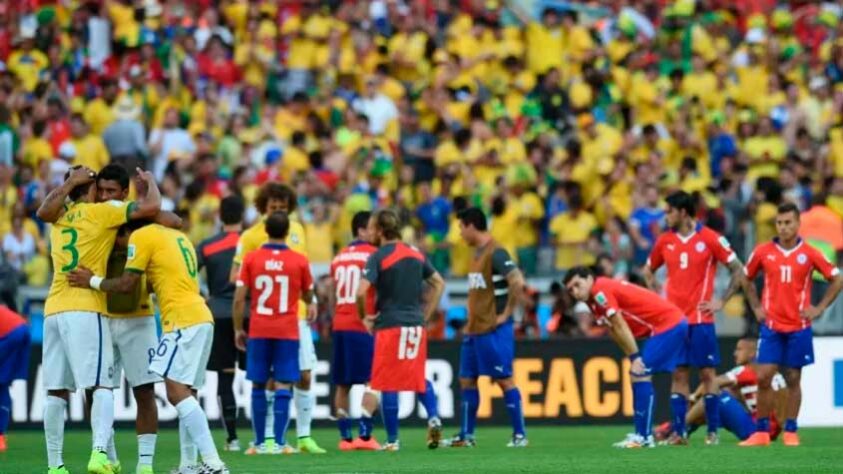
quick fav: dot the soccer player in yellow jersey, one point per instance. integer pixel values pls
(77, 348)
(275, 197)
(168, 260)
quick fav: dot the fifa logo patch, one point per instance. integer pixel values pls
(130, 252)
(476, 281)
(600, 298)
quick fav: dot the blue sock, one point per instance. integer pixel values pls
(389, 406)
(259, 409)
(763, 424)
(642, 404)
(367, 423)
(281, 408)
(470, 403)
(6, 408)
(679, 407)
(428, 400)
(789, 425)
(512, 398)
(712, 412)
(344, 425)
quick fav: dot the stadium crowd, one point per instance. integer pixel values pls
(567, 122)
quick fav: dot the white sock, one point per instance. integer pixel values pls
(146, 449)
(188, 449)
(111, 449)
(192, 416)
(102, 418)
(304, 411)
(269, 433)
(54, 410)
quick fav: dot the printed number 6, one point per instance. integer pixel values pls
(162, 348)
(408, 345)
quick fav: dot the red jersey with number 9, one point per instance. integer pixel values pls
(787, 281)
(276, 277)
(346, 271)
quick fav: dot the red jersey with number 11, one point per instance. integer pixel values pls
(276, 277)
(787, 281)
(346, 271)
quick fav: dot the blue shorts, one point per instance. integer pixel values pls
(663, 352)
(787, 349)
(488, 354)
(734, 417)
(14, 355)
(352, 358)
(701, 348)
(277, 359)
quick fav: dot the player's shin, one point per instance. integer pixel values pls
(225, 392)
(304, 401)
(642, 401)
(712, 412)
(192, 416)
(54, 410)
(470, 404)
(5, 408)
(111, 449)
(369, 406)
(344, 424)
(678, 408)
(269, 422)
(187, 448)
(102, 418)
(389, 407)
(281, 408)
(259, 414)
(146, 449)
(512, 398)
(428, 400)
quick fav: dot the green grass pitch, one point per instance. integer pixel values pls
(552, 449)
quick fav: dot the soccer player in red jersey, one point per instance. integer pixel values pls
(785, 314)
(275, 278)
(353, 345)
(14, 362)
(691, 252)
(632, 312)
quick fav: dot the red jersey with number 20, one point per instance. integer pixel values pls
(787, 281)
(691, 267)
(276, 277)
(346, 271)
(646, 313)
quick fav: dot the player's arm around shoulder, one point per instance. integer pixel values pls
(53, 206)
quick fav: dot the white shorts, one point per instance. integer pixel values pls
(77, 351)
(134, 340)
(182, 355)
(307, 353)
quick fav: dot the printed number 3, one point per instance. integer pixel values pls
(408, 345)
(71, 247)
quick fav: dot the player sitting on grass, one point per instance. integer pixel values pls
(275, 278)
(633, 312)
(737, 402)
(14, 362)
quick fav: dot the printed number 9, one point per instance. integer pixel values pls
(683, 260)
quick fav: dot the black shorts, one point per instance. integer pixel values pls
(223, 353)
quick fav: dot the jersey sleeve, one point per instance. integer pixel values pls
(306, 276)
(370, 272)
(753, 265)
(605, 302)
(502, 263)
(735, 374)
(139, 251)
(244, 276)
(200, 256)
(721, 248)
(656, 258)
(427, 269)
(245, 244)
(297, 240)
(828, 269)
(113, 213)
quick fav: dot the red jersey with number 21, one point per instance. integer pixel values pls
(787, 281)
(691, 267)
(276, 277)
(646, 313)
(346, 271)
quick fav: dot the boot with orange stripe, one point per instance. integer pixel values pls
(790, 438)
(759, 438)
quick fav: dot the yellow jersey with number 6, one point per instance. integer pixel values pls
(84, 236)
(169, 261)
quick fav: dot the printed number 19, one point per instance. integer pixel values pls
(410, 342)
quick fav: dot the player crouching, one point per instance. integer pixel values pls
(642, 314)
(276, 278)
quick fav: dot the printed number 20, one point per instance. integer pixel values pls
(410, 342)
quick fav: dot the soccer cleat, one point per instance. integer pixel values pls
(712, 439)
(370, 444)
(518, 441)
(620, 444)
(117, 468)
(675, 440)
(459, 441)
(308, 445)
(283, 449)
(346, 445)
(232, 446)
(144, 470)
(434, 433)
(260, 449)
(2, 443)
(759, 438)
(99, 463)
(58, 470)
(636, 442)
(206, 469)
(790, 438)
(663, 431)
(392, 447)
(193, 469)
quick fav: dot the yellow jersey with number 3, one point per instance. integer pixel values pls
(168, 259)
(83, 236)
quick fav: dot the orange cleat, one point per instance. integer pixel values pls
(790, 438)
(346, 445)
(370, 444)
(2, 443)
(759, 438)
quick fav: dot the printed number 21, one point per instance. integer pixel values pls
(408, 345)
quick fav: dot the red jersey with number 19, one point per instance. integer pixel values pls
(787, 281)
(691, 267)
(276, 277)
(346, 271)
